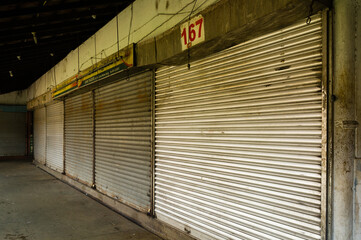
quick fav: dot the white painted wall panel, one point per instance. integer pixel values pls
(14, 98)
(87, 54)
(149, 19)
(106, 40)
(67, 67)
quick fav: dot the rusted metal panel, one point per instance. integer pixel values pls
(55, 136)
(238, 139)
(123, 140)
(40, 135)
(79, 138)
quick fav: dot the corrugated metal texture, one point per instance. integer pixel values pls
(238, 139)
(40, 135)
(123, 140)
(79, 137)
(55, 136)
(12, 133)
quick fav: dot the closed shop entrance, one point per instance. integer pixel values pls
(239, 140)
(123, 140)
(79, 137)
(55, 136)
(40, 135)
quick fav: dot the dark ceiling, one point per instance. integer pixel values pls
(59, 26)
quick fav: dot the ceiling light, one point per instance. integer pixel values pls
(52, 54)
(19, 57)
(94, 16)
(34, 37)
(11, 73)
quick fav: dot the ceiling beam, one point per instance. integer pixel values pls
(53, 20)
(89, 4)
(41, 33)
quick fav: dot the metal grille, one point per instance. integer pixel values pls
(122, 142)
(40, 135)
(79, 137)
(238, 139)
(55, 136)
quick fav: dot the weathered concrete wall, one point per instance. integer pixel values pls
(344, 119)
(227, 23)
(357, 206)
(14, 98)
(143, 20)
(154, 27)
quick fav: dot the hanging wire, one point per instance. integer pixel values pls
(310, 12)
(131, 21)
(188, 47)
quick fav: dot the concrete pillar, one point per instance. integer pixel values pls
(344, 118)
(357, 199)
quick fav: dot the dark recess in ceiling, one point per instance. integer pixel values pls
(59, 26)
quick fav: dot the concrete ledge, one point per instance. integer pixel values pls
(152, 224)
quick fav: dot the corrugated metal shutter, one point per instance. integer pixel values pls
(123, 140)
(238, 139)
(79, 137)
(12, 134)
(40, 135)
(55, 136)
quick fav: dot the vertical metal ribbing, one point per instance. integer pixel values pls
(93, 135)
(64, 161)
(325, 66)
(46, 134)
(152, 212)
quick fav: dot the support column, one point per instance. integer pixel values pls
(344, 119)
(357, 198)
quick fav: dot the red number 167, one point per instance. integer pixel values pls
(192, 32)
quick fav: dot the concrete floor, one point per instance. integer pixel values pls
(36, 206)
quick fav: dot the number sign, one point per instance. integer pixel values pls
(192, 32)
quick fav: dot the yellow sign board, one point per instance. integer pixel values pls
(113, 64)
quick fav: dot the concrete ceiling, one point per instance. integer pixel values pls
(37, 34)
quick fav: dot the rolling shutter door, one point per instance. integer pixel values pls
(12, 133)
(123, 140)
(238, 139)
(40, 135)
(79, 137)
(55, 136)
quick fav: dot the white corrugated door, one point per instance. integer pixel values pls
(79, 137)
(238, 139)
(123, 140)
(40, 135)
(55, 136)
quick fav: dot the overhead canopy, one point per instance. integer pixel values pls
(37, 34)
